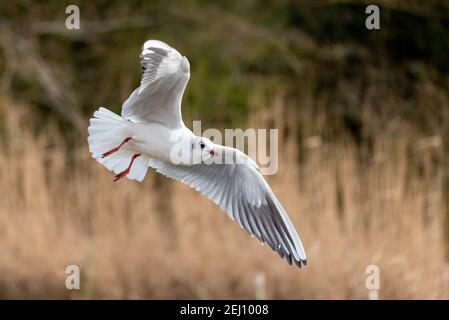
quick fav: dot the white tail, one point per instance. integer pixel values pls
(108, 130)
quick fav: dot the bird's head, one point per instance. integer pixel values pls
(202, 149)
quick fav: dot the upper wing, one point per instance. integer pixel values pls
(165, 74)
(241, 191)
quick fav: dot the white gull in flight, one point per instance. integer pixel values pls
(150, 133)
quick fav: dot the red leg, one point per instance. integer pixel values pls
(108, 153)
(126, 171)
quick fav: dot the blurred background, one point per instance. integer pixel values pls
(363, 166)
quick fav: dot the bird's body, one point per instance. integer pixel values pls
(150, 133)
(156, 140)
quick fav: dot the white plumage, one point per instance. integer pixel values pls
(150, 133)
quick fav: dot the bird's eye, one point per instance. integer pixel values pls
(202, 145)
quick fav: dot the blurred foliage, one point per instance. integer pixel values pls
(317, 54)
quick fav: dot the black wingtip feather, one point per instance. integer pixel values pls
(299, 263)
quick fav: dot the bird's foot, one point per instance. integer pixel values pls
(108, 153)
(127, 170)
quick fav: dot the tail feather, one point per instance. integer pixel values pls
(106, 131)
(103, 113)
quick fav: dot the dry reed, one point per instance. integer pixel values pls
(59, 208)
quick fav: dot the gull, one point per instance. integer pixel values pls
(150, 133)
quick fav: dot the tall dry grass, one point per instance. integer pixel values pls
(59, 208)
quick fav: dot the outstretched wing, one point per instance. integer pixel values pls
(240, 190)
(165, 73)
